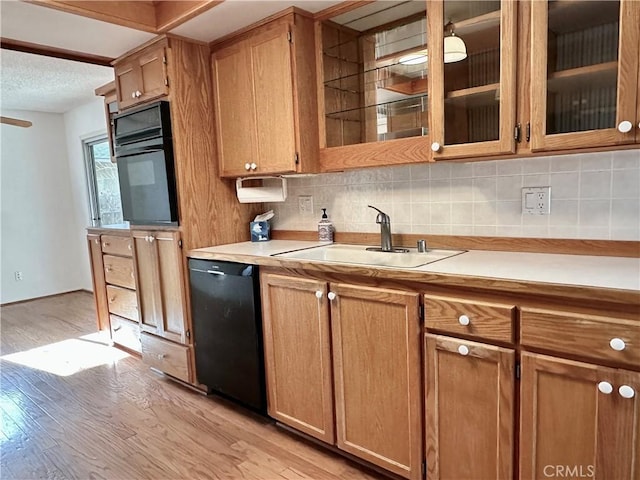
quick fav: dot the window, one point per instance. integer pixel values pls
(102, 179)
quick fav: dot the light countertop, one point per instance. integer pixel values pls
(546, 270)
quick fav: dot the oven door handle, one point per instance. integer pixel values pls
(127, 152)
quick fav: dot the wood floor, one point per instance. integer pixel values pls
(72, 407)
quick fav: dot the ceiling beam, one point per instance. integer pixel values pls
(170, 13)
(48, 51)
(339, 9)
(158, 16)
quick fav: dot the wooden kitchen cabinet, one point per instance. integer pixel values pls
(472, 96)
(264, 100)
(376, 352)
(159, 269)
(297, 349)
(584, 74)
(580, 418)
(469, 409)
(354, 350)
(143, 76)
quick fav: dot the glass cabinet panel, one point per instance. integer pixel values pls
(584, 73)
(582, 65)
(375, 73)
(472, 84)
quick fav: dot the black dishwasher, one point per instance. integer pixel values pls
(227, 330)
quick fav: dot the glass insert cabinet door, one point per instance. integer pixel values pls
(472, 63)
(584, 73)
(374, 71)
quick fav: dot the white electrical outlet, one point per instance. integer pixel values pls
(536, 200)
(18, 275)
(305, 204)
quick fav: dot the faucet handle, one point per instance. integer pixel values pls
(382, 217)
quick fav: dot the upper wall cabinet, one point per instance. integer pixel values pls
(143, 76)
(472, 80)
(265, 100)
(373, 85)
(584, 74)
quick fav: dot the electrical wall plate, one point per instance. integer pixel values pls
(536, 200)
(305, 204)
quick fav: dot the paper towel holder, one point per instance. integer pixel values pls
(261, 194)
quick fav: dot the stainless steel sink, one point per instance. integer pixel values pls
(358, 254)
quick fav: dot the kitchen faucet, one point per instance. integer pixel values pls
(385, 230)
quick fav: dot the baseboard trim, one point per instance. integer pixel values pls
(45, 296)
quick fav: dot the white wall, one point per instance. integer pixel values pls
(44, 202)
(81, 123)
(593, 196)
(37, 211)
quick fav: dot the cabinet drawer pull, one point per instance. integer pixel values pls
(605, 387)
(253, 166)
(161, 356)
(464, 320)
(247, 166)
(112, 299)
(97, 241)
(107, 269)
(105, 244)
(129, 246)
(319, 294)
(626, 391)
(617, 344)
(625, 126)
(463, 350)
(331, 296)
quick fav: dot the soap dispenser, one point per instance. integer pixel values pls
(325, 228)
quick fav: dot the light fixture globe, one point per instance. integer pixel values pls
(454, 49)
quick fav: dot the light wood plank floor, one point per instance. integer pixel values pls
(73, 408)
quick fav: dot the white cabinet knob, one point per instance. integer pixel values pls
(463, 350)
(464, 320)
(253, 166)
(133, 94)
(247, 166)
(625, 126)
(605, 387)
(617, 344)
(161, 356)
(138, 94)
(331, 296)
(319, 294)
(435, 146)
(626, 391)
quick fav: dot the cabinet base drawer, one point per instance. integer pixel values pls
(485, 320)
(122, 302)
(119, 271)
(114, 245)
(600, 338)
(166, 356)
(125, 332)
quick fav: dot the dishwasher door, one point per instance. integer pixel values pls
(227, 330)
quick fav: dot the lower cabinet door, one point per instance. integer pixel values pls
(376, 351)
(168, 357)
(578, 420)
(297, 350)
(469, 408)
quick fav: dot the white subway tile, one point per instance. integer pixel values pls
(484, 189)
(440, 170)
(593, 233)
(565, 163)
(509, 212)
(595, 184)
(625, 234)
(402, 192)
(625, 213)
(626, 184)
(440, 190)
(509, 167)
(465, 230)
(564, 185)
(624, 159)
(484, 213)
(485, 169)
(541, 180)
(509, 187)
(536, 165)
(485, 230)
(420, 171)
(461, 170)
(564, 212)
(441, 214)
(461, 189)
(595, 161)
(565, 231)
(462, 213)
(595, 213)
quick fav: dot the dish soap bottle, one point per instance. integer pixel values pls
(325, 228)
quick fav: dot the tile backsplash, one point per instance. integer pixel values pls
(593, 196)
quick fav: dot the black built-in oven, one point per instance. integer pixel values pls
(144, 153)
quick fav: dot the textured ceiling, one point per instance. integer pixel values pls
(47, 84)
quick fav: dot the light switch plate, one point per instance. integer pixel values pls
(536, 200)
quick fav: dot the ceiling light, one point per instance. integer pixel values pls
(414, 58)
(454, 47)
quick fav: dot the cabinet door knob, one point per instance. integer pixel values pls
(105, 244)
(138, 94)
(129, 246)
(625, 126)
(112, 299)
(605, 387)
(133, 94)
(464, 320)
(161, 356)
(107, 268)
(435, 146)
(253, 166)
(247, 166)
(463, 350)
(626, 391)
(97, 241)
(617, 344)
(319, 294)
(331, 296)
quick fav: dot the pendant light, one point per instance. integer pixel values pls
(454, 47)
